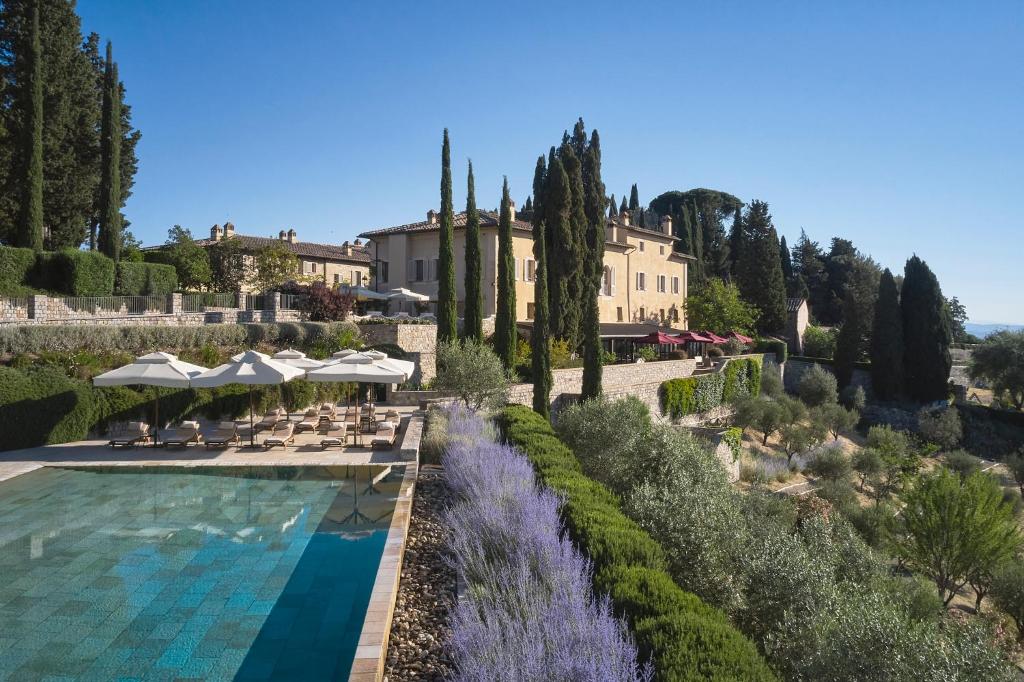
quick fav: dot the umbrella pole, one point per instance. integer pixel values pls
(156, 414)
(252, 431)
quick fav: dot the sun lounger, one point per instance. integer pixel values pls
(271, 419)
(182, 435)
(309, 421)
(226, 434)
(393, 417)
(335, 435)
(283, 435)
(385, 436)
(127, 435)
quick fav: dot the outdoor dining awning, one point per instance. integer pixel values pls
(403, 294)
(739, 337)
(659, 338)
(715, 338)
(693, 337)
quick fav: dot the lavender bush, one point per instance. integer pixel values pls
(528, 612)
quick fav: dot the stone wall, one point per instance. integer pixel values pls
(418, 340)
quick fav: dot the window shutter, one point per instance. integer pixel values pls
(516, 264)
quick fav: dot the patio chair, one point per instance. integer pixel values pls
(384, 437)
(225, 434)
(270, 419)
(126, 435)
(283, 435)
(309, 421)
(334, 433)
(183, 434)
(393, 417)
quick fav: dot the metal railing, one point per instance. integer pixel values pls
(109, 306)
(293, 301)
(14, 301)
(198, 303)
(255, 302)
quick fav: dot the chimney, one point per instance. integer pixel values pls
(512, 209)
(229, 230)
(282, 235)
(215, 233)
(624, 217)
(666, 225)
(431, 217)
(292, 238)
(346, 248)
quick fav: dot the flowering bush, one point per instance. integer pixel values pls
(529, 612)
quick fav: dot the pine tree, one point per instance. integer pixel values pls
(540, 344)
(31, 232)
(736, 242)
(110, 226)
(611, 207)
(558, 228)
(590, 327)
(447, 322)
(927, 333)
(887, 340)
(760, 279)
(634, 198)
(505, 318)
(809, 264)
(850, 341)
(472, 324)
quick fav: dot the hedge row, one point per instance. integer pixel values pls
(16, 266)
(685, 638)
(777, 346)
(37, 339)
(701, 393)
(50, 408)
(145, 279)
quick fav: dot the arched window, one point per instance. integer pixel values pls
(607, 281)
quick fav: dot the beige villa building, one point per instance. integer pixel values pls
(644, 279)
(347, 264)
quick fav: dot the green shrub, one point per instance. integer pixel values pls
(693, 395)
(777, 346)
(820, 342)
(145, 279)
(77, 273)
(298, 394)
(15, 268)
(818, 386)
(685, 638)
(963, 463)
(46, 406)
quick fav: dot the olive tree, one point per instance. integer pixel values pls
(1008, 593)
(941, 427)
(818, 386)
(999, 360)
(471, 371)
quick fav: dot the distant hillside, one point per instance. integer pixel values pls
(984, 330)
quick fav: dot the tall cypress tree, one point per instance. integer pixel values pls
(697, 244)
(634, 198)
(927, 333)
(540, 344)
(787, 260)
(472, 324)
(736, 242)
(760, 278)
(447, 323)
(611, 207)
(558, 229)
(505, 319)
(572, 253)
(623, 207)
(31, 233)
(110, 226)
(850, 340)
(887, 340)
(590, 327)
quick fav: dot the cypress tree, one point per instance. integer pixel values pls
(697, 244)
(505, 319)
(760, 277)
(681, 224)
(472, 324)
(611, 207)
(624, 207)
(110, 227)
(540, 345)
(572, 256)
(736, 243)
(634, 198)
(590, 327)
(850, 341)
(558, 229)
(927, 333)
(787, 260)
(447, 323)
(31, 232)
(887, 340)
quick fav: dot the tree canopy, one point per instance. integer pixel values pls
(1000, 361)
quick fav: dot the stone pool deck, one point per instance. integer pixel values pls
(368, 665)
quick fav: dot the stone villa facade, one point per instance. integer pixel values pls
(644, 278)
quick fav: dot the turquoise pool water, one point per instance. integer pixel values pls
(170, 573)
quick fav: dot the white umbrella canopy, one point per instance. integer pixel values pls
(406, 366)
(250, 368)
(364, 294)
(161, 370)
(358, 367)
(296, 358)
(403, 294)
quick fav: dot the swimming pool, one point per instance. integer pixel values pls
(189, 572)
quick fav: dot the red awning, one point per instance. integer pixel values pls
(715, 338)
(693, 337)
(739, 337)
(659, 338)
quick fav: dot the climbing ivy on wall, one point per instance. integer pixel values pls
(693, 395)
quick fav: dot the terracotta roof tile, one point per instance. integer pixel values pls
(308, 249)
(487, 219)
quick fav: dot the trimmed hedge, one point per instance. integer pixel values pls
(777, 346)
(15, 268)
(75, 273)
(144, 279)
(696, 394)
(685, 638)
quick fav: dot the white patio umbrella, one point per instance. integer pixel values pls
(250, 368)
(381, 357)
(296, 358)
(364, 294)
(360, 367)
(155, 369)
(403, 295)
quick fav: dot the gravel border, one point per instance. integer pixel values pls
(426, 593)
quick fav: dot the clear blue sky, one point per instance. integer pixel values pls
(897, 125)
